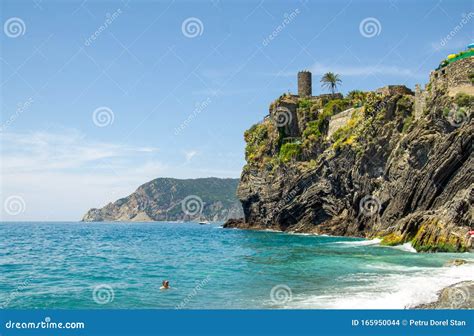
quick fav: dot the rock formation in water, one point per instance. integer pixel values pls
(168, 199)
(391, 164)
(457, 296)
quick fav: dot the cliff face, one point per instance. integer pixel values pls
(167, 199)
(385, 173)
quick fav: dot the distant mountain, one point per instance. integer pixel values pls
(168, 199)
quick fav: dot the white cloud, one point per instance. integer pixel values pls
(39, 151)
(60, 175)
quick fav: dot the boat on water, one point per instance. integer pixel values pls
(205, 222)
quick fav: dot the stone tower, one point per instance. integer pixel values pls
(304, 84)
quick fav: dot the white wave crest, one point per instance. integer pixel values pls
(400, 290)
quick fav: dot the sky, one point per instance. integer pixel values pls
(99, 97)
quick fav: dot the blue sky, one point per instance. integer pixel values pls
(175, 83)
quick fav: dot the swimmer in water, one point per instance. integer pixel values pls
(165, 284)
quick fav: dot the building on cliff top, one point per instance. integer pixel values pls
(454, 75)
(394, 89)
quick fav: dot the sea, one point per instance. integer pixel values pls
(75, 265)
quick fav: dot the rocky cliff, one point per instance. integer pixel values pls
(385, 172)
(167, 199)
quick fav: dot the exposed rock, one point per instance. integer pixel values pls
(457, 296)
(456, 262)
(167, 199)
(383, 174)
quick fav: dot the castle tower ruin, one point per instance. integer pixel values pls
(304, 84)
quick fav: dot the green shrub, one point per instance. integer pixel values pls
(463, 99)
(257, 142)
(471, 77)
(405, 103)
(407, 123)
(313, 128)
(335, 106)
(304, 103)
(290, 151)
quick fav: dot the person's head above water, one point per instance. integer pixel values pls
(165, 284)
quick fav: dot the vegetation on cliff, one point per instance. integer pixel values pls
(168, 199)
(414, 172)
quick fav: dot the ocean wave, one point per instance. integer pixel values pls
(393, 291)
(407, 247)
(375, 241)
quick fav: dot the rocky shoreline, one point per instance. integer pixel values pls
(397, 166)
(456, 296)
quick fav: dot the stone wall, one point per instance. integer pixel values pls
(454, 77)
(339, 120)
(304, 84)
(284, 115)
(420, 101)
(394, 89)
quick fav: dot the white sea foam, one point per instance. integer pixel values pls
(302, 234)
(391, 291)
(375, 241)
(407, 247)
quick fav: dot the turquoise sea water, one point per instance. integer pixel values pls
(121, 265)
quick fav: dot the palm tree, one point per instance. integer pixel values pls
(331, 81)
